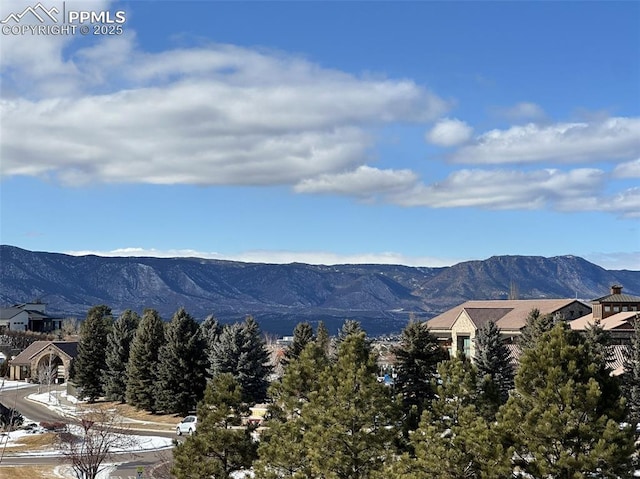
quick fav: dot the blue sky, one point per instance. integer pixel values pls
(419, 133)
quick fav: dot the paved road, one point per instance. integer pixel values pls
(38, 412)
(150, 462)
(17, 399)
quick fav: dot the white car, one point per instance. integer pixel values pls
(187, 426)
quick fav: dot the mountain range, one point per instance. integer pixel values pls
(381, 297)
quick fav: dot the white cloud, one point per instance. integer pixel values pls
(228, 115)
(281, 257)
(629, 169)
(611, 139)
(625, 203)
(504, 189)
(449, 132)
(523, 111)
(221, 115)
(363, 181)
(37, 65)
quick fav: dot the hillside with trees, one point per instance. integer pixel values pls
(380, 297)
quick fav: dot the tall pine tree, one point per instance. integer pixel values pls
(242, 351)
(454, 441)
(535, 326)
(222, 445)
(322, 338)
(118, 347)
(417, 357)
(210, 329)
(90, 363)
(281, 444)
(495, 371)
(302, 335)
(345, 430)
(182, 365)
(143, 361)
(563, 418)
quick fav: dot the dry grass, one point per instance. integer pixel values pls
(27, 472)
(35, 442)
(130, 412)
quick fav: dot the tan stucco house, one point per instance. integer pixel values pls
(457, 327)
(56, 355)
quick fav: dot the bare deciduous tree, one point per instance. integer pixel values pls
(70, 326)
(46, 376)
(94, 440)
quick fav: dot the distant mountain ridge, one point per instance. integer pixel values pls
(279, 295)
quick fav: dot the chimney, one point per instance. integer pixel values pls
(616, 289)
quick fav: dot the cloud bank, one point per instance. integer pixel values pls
(220, 114)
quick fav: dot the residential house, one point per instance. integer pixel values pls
(28, 317)
(617, 314)
(51, 355)
(457, 327)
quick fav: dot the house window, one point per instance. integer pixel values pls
(607, 309)
(625, 308)
(464, 345)
(616, 309)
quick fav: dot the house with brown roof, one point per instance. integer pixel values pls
(55, 356)
(457, 327)
(620, 326)
(616, 313)
(614, 303)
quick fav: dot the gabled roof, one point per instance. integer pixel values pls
(68, 348)
(481, 316)
(617, 298)
(8, 313)
(514, 319)
(618, 321)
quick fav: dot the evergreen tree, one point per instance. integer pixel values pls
(631, 376)
(182, 365)
(453, 440)
(351, 418)
(322, 338)
(345, 430)
(143, 361)
(302, 335)
(563, 419)
(301, 378)
(210, 329)
(417, 357)
(495, 371)
(221, 446)
(349, 327)
(118, 347)
(90, 363)
(242, 351)
(282, 447)
(536, 325)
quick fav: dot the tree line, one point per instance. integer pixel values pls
(161, 366)
(557, 413)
